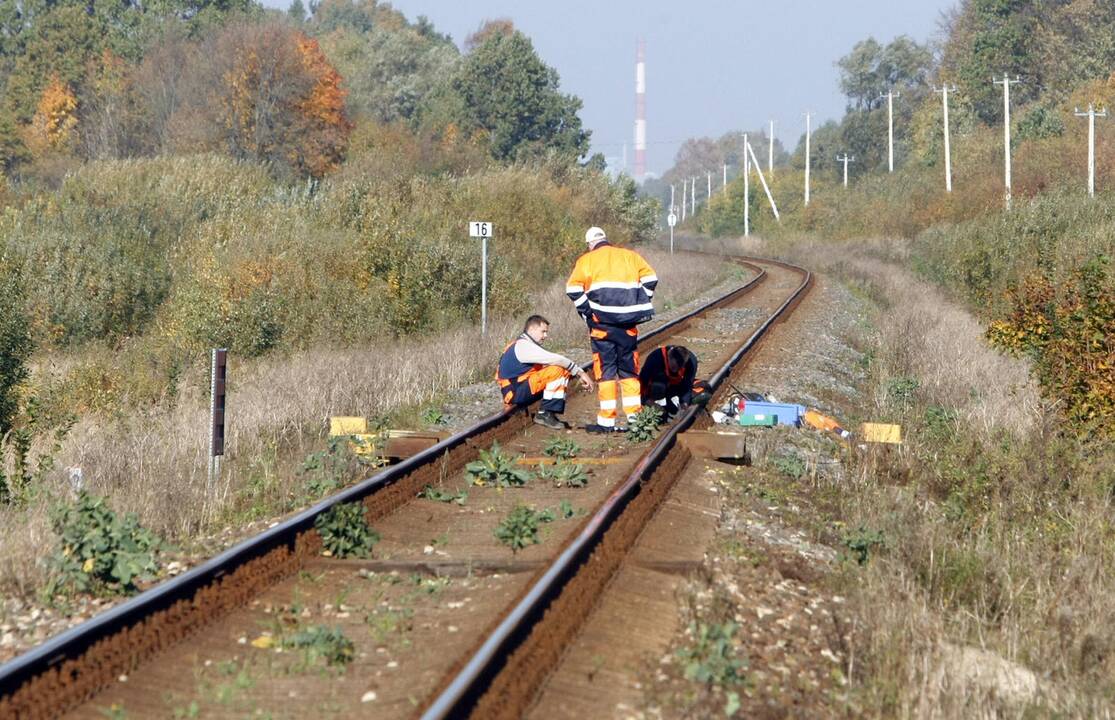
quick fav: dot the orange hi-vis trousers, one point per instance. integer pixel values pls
(550, 380)
(615, 363)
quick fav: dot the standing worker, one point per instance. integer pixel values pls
(527, 369)
(611, 288)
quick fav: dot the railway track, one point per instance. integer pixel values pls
(470, 628)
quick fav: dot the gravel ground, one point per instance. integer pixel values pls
(764, 576)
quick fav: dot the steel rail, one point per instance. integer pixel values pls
(71, 645)
(466, 687)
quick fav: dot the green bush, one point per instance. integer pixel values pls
(319, 642)
(563, 474)
(345, 531)
(98, 550)
(15, 343)
(497, 469)
(644, 426)
(520, 528)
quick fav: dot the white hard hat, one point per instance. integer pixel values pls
(595, 234)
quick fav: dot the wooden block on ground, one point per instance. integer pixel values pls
(713, 444)
(881, 433)
(348, 425)
(402, 444)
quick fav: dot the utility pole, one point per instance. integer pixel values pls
(845, 159)
(746, 190)
(944, 91)
(724, 181)
(770, 151)
(683, 199)
(672, 206)
(1092, 114)
(807, 158)
(709, 195)
(763, 180)
(1006, 83)
(693, 195)
(890, 96)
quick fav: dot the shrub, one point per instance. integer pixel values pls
(15, 342)
(520, 528)
(329, 644)
(645, 424)
(345, 531)
(497, 469)
(561, 448)
(563, 474)
(100, 551)
(432, 493)
(711, 656)
(1069, 331)
(862, 542)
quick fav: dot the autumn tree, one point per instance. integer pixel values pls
(55, 118)
(267, 93)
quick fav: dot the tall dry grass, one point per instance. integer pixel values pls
(992, 597)
(155, 463)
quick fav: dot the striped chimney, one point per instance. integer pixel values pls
(641, 111)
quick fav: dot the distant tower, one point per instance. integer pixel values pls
(641, 111)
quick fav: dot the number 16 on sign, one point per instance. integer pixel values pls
(482, 230)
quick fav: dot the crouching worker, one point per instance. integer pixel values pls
(669, 379)
(527, 369)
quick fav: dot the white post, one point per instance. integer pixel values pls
(807, 159)
(709, 196)
(890, 96)
(1092, 114)
(770, 151)
(683, 200)
(693, 195)
(671, 198)
(746, 190)
(948, 151)
(763, 180)
(724, 181)
(1006, 83)
(484, 286)
(845, 159)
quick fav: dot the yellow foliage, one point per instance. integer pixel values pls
(54, 120)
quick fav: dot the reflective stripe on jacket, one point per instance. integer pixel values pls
(614, 284)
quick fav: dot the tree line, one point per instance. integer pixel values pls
(89, 81)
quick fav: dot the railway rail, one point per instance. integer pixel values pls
(501, 671)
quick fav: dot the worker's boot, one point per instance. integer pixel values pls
(546, 418)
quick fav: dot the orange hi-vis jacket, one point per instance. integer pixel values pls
(612, 285)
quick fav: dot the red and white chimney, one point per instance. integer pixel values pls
(641, 111)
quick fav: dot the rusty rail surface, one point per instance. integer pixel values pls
(502, 676)
(73, 666)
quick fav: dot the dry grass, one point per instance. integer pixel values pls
(156, 464)
(992, 595)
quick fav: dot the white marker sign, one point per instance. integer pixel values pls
(482, 230)
(672, 219)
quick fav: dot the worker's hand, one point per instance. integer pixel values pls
(586, 382)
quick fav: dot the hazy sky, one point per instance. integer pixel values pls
(712, 65)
